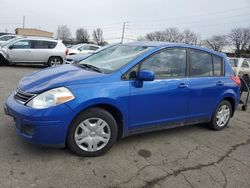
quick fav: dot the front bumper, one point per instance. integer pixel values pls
(40, 126)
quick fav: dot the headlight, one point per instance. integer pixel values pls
(51, 98)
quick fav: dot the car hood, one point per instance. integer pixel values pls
(73, 51)
(57, 77)
(77, 57)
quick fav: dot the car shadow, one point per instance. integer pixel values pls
(39, 151)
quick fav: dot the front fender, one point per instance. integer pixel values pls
(88, 95)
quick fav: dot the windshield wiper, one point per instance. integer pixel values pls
(92, 67)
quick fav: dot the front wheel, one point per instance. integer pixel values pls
(221, 116)
(92, 133)
(54, 61)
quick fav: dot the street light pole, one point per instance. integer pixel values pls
(123, 30)
(23, 21)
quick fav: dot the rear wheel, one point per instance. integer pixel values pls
(221, 116)
(54, 61)
(92, 133)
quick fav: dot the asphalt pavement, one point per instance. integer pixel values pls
(191, 156)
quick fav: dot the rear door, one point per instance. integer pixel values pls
(166, 98)
(206, 84)
(20, 51)
(39, 50)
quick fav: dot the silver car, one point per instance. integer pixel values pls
(6, 38)
(34, 50)
(83, 49)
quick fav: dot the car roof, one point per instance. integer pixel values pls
(8, 35)
(170, 44)
(39, 38)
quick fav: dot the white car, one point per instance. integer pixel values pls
(83, 49)
(241, 66)
(37, 50)
(6, 38)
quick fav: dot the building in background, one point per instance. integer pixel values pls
(33, 32)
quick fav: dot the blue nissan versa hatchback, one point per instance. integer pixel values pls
(123, 90)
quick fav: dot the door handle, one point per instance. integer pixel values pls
(182, 85)
(220, 83)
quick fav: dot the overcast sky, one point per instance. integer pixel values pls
(206, 17)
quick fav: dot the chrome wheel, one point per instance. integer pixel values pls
(92, 134)
(54, 62)
(223, 115)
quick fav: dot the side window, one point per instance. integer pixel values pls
(23, 44)
(49, 44)
(218, 68)
(233, 62)
(85, 47)
(37, 44)
(245, 64)
(170, 63)
(93, 48)
(201, 64)
(131, 74)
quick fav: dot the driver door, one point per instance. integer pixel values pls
(20, 51)
(165, 100)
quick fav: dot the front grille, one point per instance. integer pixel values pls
(22, 96)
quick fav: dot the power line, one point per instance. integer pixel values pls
(187, 17)
(191, 22)
(188, 24)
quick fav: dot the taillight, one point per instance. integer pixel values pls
(236, 79)
(66, 51)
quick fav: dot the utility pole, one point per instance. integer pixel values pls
(23, 21)
(58, 35)
(123, 30)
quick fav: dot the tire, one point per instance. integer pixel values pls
(218, 122)
(54, 61)
(2, 60)
(85, 139)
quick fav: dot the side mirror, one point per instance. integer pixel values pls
(146, 75)
(11, 47)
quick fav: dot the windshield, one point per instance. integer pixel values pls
(113, 58)
(233, 62)
(76, 46)
(11, 41)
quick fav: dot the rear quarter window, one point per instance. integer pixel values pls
(218, 66)
(50, 44)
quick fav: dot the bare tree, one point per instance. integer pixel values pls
(216, 42)
(173, 35)
(189, 37)
(98, 37)
(63, 32)
(168, 35)
(155, 36)
(82, 35)
(240, 38)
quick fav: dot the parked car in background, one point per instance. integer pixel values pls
(124, 90)
(240, 66)
(79, 57)
(34, 50)
(83, 49)
(3, 33)
(69, 59)
(6, 38)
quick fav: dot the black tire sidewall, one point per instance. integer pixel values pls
(213, 123)
(90, 113)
